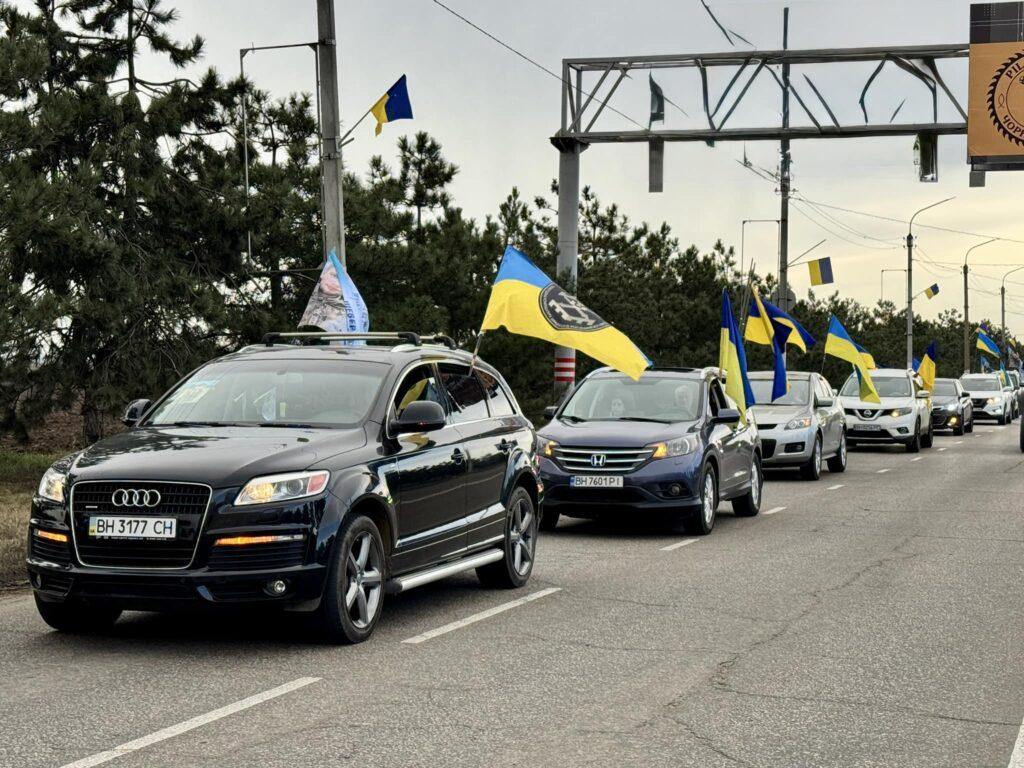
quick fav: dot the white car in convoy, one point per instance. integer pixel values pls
(990, 398)
(903, 417)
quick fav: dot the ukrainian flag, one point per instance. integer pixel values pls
(931, 291)
(926, 368)
(525, 301)
(839, 344)
(869, 359)
(732, 359)
(393, 105)
(821, 271)
(985, 344)
(783, 325)
(761, 330)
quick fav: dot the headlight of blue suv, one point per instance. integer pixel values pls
(51, 487)
(678, 447)
(951, 407)
(895, 412)
(801, 422)
(294, 485)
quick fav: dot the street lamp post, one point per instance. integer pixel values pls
(967, 320)
(881, 282)
(1002, 302)
(910, 281)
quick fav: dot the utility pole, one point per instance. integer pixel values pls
(333, 204)
(967, 319)
(784, 177)
(910, 280)
(568, 246)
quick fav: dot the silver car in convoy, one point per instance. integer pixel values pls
(990, 398)
(1018, 391)
(801, 428)
(903, 417)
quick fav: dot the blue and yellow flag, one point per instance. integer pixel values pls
(525, 301)
(985, 344)
(393, 105)
(821, 270)
(932, 290)
(783, 326)
(869, 359)
(761, 330)
(732, 359)
(926, 368)
(839, 344)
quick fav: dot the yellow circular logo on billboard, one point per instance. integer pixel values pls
(1006, 99)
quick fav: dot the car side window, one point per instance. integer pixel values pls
(824, 390)
(716, 398)
(418, 384)
(464, 392)
(497, 401)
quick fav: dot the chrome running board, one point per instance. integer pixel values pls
(403, 583)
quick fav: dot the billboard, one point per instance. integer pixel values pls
(995, 114)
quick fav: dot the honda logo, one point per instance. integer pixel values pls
(597, 460)
(135, 497)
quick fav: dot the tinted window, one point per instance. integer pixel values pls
(619, 398)
(981, 383)
(887, 386)
(418, 384)
(497, 401)
(465, 393)
(798, 394)
(268, 391)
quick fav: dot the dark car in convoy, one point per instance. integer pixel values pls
(952, 407)
(670, 441)
(309, 476)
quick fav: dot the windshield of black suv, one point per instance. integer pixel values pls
(887, 386)
(618, 398)
(981, 383)
(269, 392)
(944, 388)
(799, 392)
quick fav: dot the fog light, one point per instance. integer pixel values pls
(952, 420)
(903, 430)
(276, 588)
(675, 489)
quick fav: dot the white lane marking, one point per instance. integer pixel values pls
(882, 471)
(184, 727)
(1017, 756)
(480, 616)
(941, 450)
(679, 544)
(917, 458)
(957, 442)
(773, 510)
(834, 487)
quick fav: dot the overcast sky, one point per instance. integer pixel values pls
(494, 114)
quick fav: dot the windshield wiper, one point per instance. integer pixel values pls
(576, 419)
(197, 424)
(641, 418)
(285, 424)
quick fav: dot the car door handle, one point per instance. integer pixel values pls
(458, 456)
(506, 445)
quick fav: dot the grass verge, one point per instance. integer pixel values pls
(19, 474)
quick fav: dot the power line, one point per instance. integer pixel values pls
(534, 62)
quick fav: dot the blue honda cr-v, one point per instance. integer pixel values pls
(670, 441)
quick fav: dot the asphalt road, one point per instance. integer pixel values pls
(876, 619)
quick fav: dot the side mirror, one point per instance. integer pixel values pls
(420, 416)
(923, 394)
(550, 411)
(726, 416)
(135, 411)
(824, 402)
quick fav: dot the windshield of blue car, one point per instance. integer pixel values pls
(944, 389)
(981, 383)
(652, 398)
(798, 394)
(268, 392)
(887, 386)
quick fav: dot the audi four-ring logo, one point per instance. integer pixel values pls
(135, 497)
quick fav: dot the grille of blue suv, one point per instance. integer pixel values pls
(186, 502)
(601, 460)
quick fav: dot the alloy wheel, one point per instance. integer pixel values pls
(364, 581)
(755, 482)
(523, 537)
(817, 456)
(709, 500)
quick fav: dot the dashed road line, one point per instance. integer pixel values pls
(773, 510)
(480, 616)
(188, 725)
(1017, 756)
(835, 487)
(883, 471)
(957, 442)
(917, 458)
(679, 544)
(941, 450)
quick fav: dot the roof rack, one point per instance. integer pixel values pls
(407, 337)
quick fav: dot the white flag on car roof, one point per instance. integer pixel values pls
(336, 304)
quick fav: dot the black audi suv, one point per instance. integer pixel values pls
(670, 442)
(296, 474)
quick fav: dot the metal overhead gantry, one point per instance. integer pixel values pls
(588, 85)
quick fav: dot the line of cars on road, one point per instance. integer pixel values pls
(320, 478)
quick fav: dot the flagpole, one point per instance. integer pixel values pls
(745, 307)
(360, 120)
(476, 351)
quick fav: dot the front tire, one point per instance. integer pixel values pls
(838, 462)
(914, 444)
(812, 469)
(354, 594)
(75, 618)
(969, 427)
(929, 437)
(749, 504)
(521, 522)
(702, 521)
